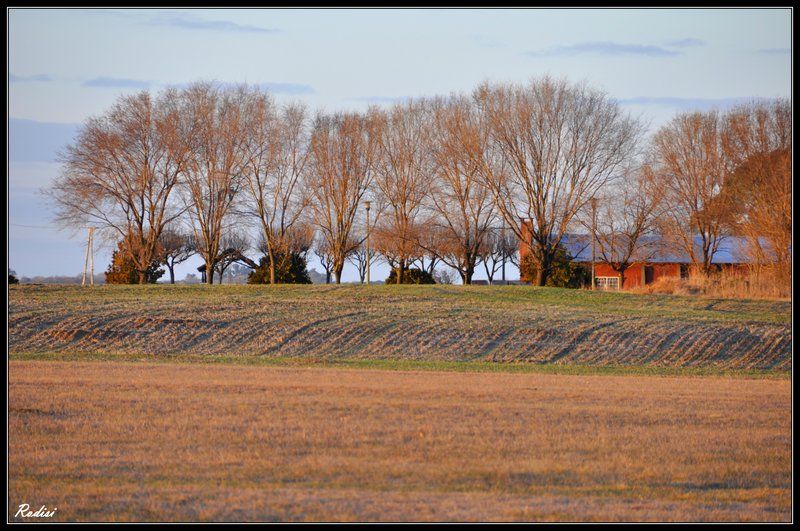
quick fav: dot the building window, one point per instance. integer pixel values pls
(606, 282)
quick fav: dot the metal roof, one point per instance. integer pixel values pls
(732, 249)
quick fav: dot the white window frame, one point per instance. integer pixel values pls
(606, 283)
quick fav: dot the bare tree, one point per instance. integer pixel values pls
(426, 259)
(433, 243)
(358, 258)
(120, 173)
(463, 205)
(343, 149)
(626, 224)
(296, 241)
(326, 259)
(233, 245)
(498, 249)
(214, 177)
(275, 172)
(402, 179)
(759, 141)
(444, 276)
(691, 172)
(552, 147)
(175, 247)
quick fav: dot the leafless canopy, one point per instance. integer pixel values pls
(343, 149)
(275, 172)
(120, 173)
(759, 140)
(175, 247)
(457, 180)
(626, 220)
(402, 178)
(691, 172)
(552, 146)
(462, 204)
(213, 178)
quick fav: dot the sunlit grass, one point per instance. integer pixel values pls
(215, 441)
(403, 365)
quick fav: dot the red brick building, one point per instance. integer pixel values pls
(665, 263)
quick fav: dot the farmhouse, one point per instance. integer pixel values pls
(663, 260)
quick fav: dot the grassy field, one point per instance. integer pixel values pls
(397, 403)
(420, 324)
(149, 441)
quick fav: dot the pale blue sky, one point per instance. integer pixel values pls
(66, 65)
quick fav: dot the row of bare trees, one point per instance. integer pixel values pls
(456, 180)
(706, 176)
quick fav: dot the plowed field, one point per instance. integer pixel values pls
(432, 323)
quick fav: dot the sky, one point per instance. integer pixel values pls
(66, 65)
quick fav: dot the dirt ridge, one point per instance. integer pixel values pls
(347, 324)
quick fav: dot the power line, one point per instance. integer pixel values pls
(31, 226)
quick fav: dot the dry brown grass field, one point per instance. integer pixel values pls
(258, 403)
(116, 441)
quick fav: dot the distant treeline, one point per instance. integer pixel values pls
(61, 279)
(219, 171)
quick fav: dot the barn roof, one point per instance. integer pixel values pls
(732, 249)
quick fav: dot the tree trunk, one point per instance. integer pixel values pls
(543, 271)
(271, 257)
(142, 277)
(338, 273)
(466, 277)
(707, 267)
(401, 268)
(209, 273)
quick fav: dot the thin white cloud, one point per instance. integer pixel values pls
(287, 88)
(297, 89)
(605, 48)
(381, 99)
(686, 43)
(191, 21)
(685, 104)
(117, 82)
(774, 51)
(188, 21)
(38, 78)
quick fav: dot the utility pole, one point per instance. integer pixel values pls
(503, 247)
(91, 256)
(367, 204)
(594, 232)
(89, 260)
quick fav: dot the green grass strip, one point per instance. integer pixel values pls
(405, 365)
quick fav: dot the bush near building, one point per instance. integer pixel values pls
(564, 273)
